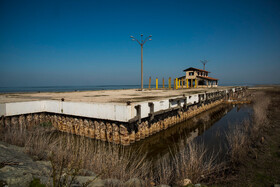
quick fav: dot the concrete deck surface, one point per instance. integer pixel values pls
(104, 96)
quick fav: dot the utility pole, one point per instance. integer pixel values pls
(141, 43)
(204, 62)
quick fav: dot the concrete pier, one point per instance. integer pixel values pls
(118, 116)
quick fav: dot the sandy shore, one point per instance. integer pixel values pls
(103, 96)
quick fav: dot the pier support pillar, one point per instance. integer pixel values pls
(116, 134)
(151, 114)
(141, 130)
(97, 130)
(91, 129)
(109, 131)
(137, 136)
(138, 112)
(124, 135)
(146, 129)
(132, 137)
(103, 131)
(85, 125)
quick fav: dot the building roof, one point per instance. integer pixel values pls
(195, 69)
(181, 77)
(202, 77)
(208, 78)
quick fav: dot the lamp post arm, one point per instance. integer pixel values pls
(137, 41)
(146, 40)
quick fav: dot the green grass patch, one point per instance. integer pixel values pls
(36, 183)
(46, 124)
(262, 178)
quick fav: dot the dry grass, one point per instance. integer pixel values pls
(195, 162)
(14, 136)
(260, 107)
(237, 141)
(163, 172)
(242, 137)
(69, 153)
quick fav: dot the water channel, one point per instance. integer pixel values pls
(209, 128)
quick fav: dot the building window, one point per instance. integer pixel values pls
(191, 73)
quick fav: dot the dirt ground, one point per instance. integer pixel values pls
(261, 167)
(103, 96)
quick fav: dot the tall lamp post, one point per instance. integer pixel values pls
(141, 43)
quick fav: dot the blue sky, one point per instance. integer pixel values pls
(55, 43)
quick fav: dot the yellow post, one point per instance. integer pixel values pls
(150, 80)
(179, 83)
(176, 83)
(182, 83)
(191, 83)
(162, 82)
(169, 83)
(187, 83)
(195, 81)
(156, 83)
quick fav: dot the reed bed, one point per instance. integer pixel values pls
(241, 138)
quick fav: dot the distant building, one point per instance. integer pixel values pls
(196, 78)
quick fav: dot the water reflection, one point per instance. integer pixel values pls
(215, 137)
(161, 143)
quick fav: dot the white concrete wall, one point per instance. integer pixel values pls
(24, 107)
(192, 99)
(53, 106)
(161, 105)
(116, 112)
(108, 111)
(158, 105)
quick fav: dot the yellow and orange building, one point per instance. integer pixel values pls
(196, 78)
